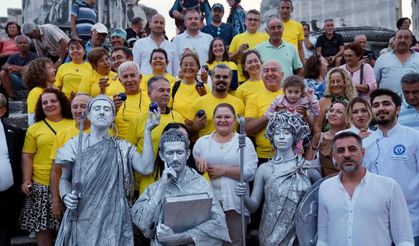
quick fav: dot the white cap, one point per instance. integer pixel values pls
(99, 28)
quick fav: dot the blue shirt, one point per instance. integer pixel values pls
(86, 18)
(409, 116)
(225, 32)
(389, 70)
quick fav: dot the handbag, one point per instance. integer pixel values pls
(315, 162)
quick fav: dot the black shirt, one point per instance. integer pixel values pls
(330, 47)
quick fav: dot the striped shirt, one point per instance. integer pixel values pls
(86, 18)
(409, 116)
(49, 43)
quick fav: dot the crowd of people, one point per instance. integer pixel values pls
(148, 118)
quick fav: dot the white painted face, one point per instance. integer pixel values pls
(175, 155)
(283, 139)
(101, 114)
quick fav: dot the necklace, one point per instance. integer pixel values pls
(220, 142)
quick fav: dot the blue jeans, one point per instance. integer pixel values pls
(416, 240)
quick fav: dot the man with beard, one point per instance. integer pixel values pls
(355, 199)
(217, 28)
(193, 37)
(143, 47)
(395, 151)
(390, 68)
(221, 79)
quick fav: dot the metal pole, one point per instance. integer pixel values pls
(242, 144)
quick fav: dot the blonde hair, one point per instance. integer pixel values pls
(350, 91)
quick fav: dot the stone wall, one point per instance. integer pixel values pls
(415, 17)
(376, 13)
(112, 13)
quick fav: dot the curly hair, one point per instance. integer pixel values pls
(64, 103)
(34, 74)
(7, 28)
(294, 123)
(350, 91)
(356, 48)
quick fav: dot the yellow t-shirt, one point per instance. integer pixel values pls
(230, 64)
(63, 136)
(253, 39)
(69, 76)
(39, 141)
(293, 32)
(131, 108)
(255, 108)
(147, 77)
(185, 95)
(90, 84)
(136, 137)
(32, 99)
(248, 89)
(208, 104)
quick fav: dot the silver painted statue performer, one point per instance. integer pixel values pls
(283, 180)
(98, 213)
(178, 179)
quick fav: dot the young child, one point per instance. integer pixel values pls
(295, 95)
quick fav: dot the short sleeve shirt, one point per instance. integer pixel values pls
(330, 47)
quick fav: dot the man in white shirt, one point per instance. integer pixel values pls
(143, 47)
(193, 37)
(11, 143)
(357, 207)
(394, 152)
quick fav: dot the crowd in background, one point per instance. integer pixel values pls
(201, 80)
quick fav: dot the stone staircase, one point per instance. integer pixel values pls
(17, 111)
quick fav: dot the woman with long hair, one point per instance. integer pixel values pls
(39, 75)
(339, 88)
(52, 114)
(315, 70)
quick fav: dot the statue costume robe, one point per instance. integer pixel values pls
(146, 214)
(283, 191)
(103, 210)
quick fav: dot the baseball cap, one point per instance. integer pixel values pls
(218, 6)
(119, 32)
(99, 28)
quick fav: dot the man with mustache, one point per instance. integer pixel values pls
(356, 198)
(221, 79)
(217, 28)
(390, 68)
(395, 151)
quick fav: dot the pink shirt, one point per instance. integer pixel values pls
(368, 78)
(8, 47)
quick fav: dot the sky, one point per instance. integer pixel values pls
(163, 6)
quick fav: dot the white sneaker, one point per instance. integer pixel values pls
(32, 235)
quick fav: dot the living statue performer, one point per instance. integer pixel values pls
(177, 179)
(283, 180)
(97, 180)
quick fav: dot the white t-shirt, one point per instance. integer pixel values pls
(6, 173)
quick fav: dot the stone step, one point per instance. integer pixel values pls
(17, 120)
(23, 240)
(17, 107)
(22, 95)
